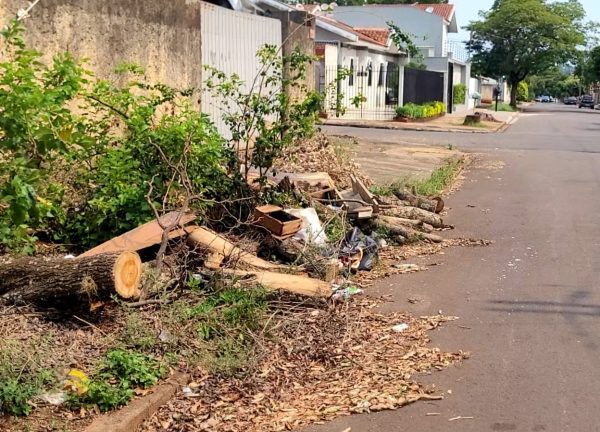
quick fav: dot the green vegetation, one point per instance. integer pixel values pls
(86, 159)
(118, 375)
(459, 94)
(504, 107)
(23, 375)
(520, 38)
(523, 92)
(413, 111)
(437, 183)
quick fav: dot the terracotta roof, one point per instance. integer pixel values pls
(381, 35)
(446, 11)
(350, 29)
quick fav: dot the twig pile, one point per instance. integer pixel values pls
(318, 155)
(321, 365)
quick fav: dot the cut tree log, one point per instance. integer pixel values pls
(434, 205)
(35, 279)
(205, 238)
(424, 216)
(296, 284)
(146, 235)
(394, 226)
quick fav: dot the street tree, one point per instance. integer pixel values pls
(518, 38)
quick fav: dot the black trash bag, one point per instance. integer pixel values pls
(357, 241)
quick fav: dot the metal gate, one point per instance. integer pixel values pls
(422, 86)
(366, 93)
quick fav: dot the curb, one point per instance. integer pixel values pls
(413, 129)
(133, 415)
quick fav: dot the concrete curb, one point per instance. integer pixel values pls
(412, 128)
(133, 415)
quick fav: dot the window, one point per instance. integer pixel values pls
(351, 77)
(370, 74)
(381, 78)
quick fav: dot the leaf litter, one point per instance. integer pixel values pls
(317, 365)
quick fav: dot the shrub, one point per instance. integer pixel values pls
(459, 94)
(413, 111)
(523, 92)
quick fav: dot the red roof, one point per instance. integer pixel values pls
(446, 11)
(381, 35)
(362, 36)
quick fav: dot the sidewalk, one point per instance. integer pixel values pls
(448, 123)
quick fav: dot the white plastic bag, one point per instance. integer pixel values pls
(312, 231)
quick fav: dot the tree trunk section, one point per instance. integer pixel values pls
(434, 205)
(418, 214)
(35, 279)
(395, 226)
(514, 91)
(296, 284)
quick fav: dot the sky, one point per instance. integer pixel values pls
(467, 10)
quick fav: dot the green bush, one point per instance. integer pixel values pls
(413, 111)
(523, 92)
(459, 94)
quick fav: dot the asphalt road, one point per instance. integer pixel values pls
(530, 303)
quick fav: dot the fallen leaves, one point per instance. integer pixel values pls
(317, 367)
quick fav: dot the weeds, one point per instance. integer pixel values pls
(437, 183)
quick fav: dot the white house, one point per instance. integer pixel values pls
(373, 88)
(430, 26)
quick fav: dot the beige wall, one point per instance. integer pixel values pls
(162, 36)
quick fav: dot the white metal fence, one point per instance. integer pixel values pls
(230, 41)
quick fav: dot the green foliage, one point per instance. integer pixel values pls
(504, 107)
(437, 183)
(137, 333)
(117, 377)
(523, 92)
(265, 117)
(413, 111)
(459, 94)
(36, 126)
(517, 38)
(403, 41)
(22, 376)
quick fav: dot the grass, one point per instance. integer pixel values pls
(439, 180)
(435, 185)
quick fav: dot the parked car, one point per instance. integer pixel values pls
(538, 98)
(587, 102)
(570, 100)
(545, 99)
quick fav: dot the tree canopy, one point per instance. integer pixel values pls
(518, 38)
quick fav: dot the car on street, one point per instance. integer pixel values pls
(587, 101)
(545, 99)
(570, 100)
(538, 98)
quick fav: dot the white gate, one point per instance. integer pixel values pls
(230, 41)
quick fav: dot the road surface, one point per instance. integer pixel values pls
(530, 303)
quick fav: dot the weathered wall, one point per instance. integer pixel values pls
(162, 36)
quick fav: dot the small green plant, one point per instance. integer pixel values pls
(459, 94)
(15, 395)
(502, 106)
(382, 190)
(413, 111)
(437, 183)
(137, 333)
(118, 375)
(523, 92)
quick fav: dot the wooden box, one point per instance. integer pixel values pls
(277, 221)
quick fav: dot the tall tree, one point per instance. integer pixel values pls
(517, 38)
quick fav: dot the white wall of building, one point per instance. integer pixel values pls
(427, 28)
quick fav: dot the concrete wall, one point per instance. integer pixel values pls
(427, 28)
(161, 36)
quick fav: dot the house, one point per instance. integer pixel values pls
(430, 26)
(373, 87)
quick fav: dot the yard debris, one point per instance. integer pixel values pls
(146, 235)
(312, 231)
(280, 223)
(346, 368)
(45, 279)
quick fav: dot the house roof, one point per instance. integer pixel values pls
(369, 35)
(446, 11)
(381, 35)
